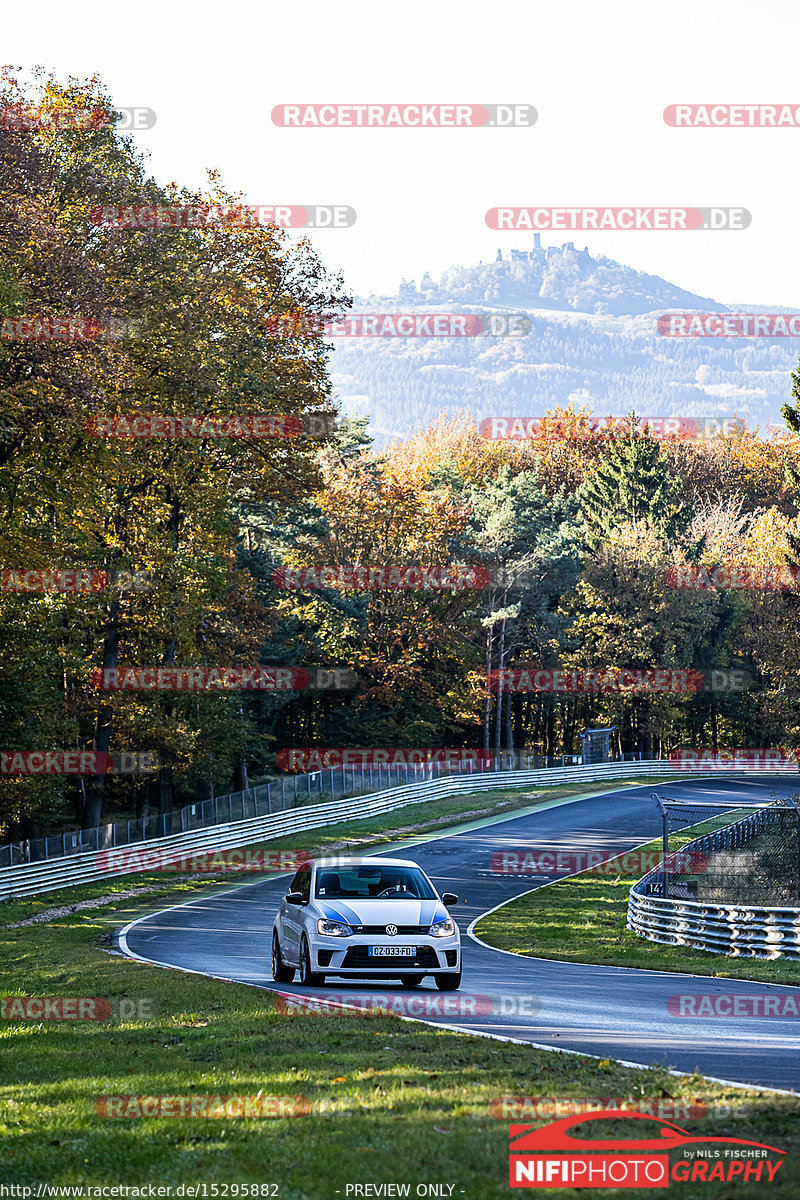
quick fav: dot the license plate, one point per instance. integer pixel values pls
(392, 951)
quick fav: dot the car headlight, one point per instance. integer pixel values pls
(443, 928)
(333, 928)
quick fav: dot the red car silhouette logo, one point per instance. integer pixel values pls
(525, 1138)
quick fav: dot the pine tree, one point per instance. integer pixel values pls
(633, 486)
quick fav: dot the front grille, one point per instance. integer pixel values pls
(452, 957)
(324, 957)
(407, 930)
(358, 957)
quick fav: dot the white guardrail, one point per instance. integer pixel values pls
(31, 879)
(735, 930)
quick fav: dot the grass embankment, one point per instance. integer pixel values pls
(582, 919)
(393, 1101)
(400, 1102)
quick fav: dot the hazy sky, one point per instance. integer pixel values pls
(599, 75)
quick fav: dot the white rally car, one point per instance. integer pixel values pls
(367, 918)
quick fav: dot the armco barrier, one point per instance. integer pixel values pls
(753, 932)
(261, 800)
(737, 930)
(30, 879)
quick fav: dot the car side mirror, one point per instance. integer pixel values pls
(449, 898)
(294, 898)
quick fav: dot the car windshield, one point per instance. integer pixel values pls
(373, 883)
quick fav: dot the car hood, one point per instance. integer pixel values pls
(382, 912)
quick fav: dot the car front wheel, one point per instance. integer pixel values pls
(280, 972)
(308, 978)
(448, 983)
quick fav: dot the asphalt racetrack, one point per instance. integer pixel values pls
(607, 1011)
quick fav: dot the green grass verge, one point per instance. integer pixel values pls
(401, 1102)
(395, 1101)
(582, 919)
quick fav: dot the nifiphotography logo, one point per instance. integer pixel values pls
(553, 1157)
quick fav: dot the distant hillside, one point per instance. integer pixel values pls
(593, 341)
(555, 277)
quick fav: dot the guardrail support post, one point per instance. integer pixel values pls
(664, 841)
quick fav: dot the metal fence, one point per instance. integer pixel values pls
(35, 878)
(732, 891)
(754, 860)
(279, 795)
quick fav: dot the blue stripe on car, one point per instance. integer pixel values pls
(430, 914)
(332, 914)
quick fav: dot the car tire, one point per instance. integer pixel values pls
(308, 978)
(280, 972)
(448, 983)
(410, 981)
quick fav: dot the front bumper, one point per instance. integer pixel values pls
(350, 956)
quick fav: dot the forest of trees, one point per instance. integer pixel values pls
(578, 530)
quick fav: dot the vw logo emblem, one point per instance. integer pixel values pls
(391, 930)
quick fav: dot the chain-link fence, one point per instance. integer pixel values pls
(742, 856)
(278, 795)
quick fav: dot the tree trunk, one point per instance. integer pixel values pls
(487, 704)
(508, 729)
(143, 800)
(95, 788)
(498, 726)
(166, 793)
(240, 783)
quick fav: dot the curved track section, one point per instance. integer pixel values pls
(612, 1012)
